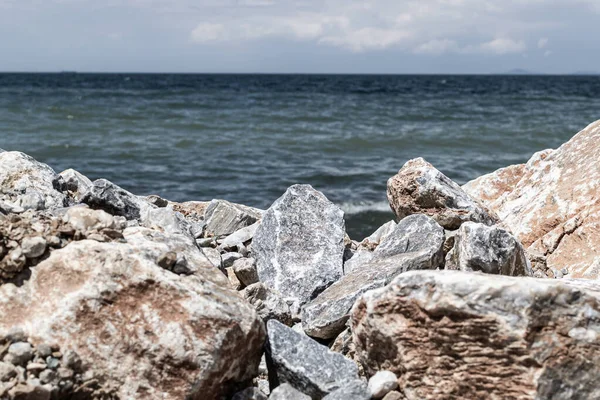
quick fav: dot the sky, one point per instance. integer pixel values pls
(304, 36)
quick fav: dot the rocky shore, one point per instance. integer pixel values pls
(485, 291)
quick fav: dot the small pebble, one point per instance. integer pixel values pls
(382, 383)
(21, 352)
(33, 247)
(44, 350)
(47, 376)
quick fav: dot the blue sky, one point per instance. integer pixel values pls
(348, 36)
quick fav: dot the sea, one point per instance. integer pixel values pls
(246, 138)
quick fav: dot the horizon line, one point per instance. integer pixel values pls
(509, 73)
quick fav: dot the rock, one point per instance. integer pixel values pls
(239, 237)
(382, 383)
(85, 219)
(245, 270)
(488, 249)
(286, 391)
(380, 234)
(416, 243)
(250, 393)
(456, 334)
(229, 258)
(225, 218)
(305, 364)
(263, 386)
(20, 353)
(193, 211)
(33, 247)
(299, 244)
(165, 219)
(419, 188)
(48, 376)
(233, 279)
(76, 184)
(355, 390)
(29, 392)
(157, 201)
(213, 256)
(551, 203)
(140, 330)
(7, 371)
(105, 195)
(27, 184)
(269, 304)
(393, 396)
(359, 258)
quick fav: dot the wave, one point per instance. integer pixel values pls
(365, 206)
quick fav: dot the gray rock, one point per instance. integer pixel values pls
(30, 391)
(382, 383)
(20, 353)
(299, 244)
(76, 183)
(107, 196)
(380, 234)
(48, 376)
(164, 219)
(225, 218)
(33, 247)
(239, 237)
(250, 393)
(355, 390)
(286, 391)
(7, 371)
(394, 396)
(29, 184)
(416, 243)
(205, 242)
(229, 258)
(213, 255)
(305, 364)
(157, 201)
(44, 350)
(245, 270)
(427, 325)
(359, 258)
(263, 386)
(419, 188)
(488, 249)
(269, 304)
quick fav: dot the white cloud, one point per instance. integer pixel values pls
(207, 32)
(367, 39)
(543, 42)
(502, 46)
(437, 47)
(547, 53)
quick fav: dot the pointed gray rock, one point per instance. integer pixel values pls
(305, 364)
(225, 218)
(416, 243)
(299, 244)
(107, 196)
(488, 249)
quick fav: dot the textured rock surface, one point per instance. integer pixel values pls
(355, 390)
(286, 391)
(76, 183)
(305, 364)
(382, 383)
(452, 334)
(105, 195)
(250, 393)
(380, 234)
(299, 244)
(552, 204)
(139, 329)
(419, 188)
(28, 184)
(224, 218)
(245, 269)
(416, 243)
(489, 249)
(239, 238)
(269, 304)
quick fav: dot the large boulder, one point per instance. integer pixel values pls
(139, 328)
(489, 249)
(306, 365)
(552, 203)
(419, 188)
(299, 244)
(224, 218)
(416, 243)
(28, 184)
(454, 334)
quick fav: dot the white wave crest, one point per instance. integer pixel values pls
(365, 206)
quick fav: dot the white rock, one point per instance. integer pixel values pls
(382, 383)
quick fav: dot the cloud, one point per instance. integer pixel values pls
(543, 42)
(208, 32)
(437, 47)
(367, 39)
(502, 46)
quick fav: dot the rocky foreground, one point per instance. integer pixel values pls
(486, 291)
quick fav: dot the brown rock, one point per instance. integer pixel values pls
(552, 203)
(419, 188)
(464, 335)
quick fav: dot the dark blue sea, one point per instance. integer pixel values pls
(246, 138)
